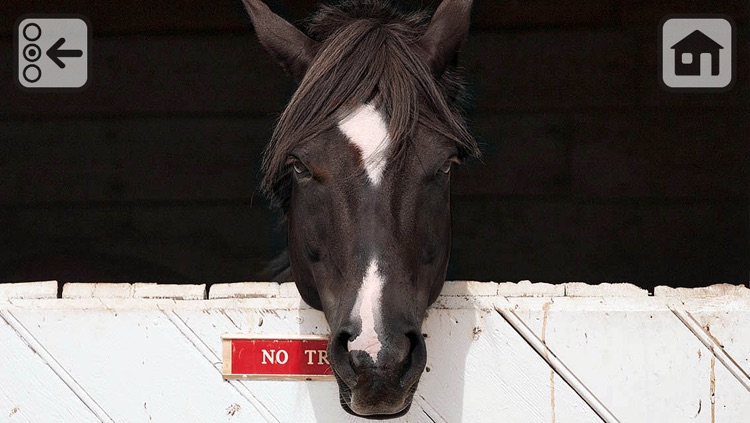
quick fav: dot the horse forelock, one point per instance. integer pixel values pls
(368, 55)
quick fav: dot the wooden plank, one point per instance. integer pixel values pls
(712, 292)
(28, 290)
(77, 290)
(558, 368)
(580, 289)
(244, 290)
(626, 350)
(716, 314)
(284, 399)
(229, 73)
(146, 344)
(466, 288)
(719, 351)
(288, 290)
(515, 387)
(176, 292)
(25, 379)
(527, 289)
(656, 356)
(226, 356)
(684, 244)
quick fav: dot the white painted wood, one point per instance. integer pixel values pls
(28, 290)
(481, 370)
(159, 359)
(285, 399)
(558, 367)
(288, 290)
(578, 289)
(136, 365)
(464, 288)
(528, 289)
(50, 360)
(29, 390)
(720, 290)
(244, 290)
(638, 354)
(136, 290)
(718, 332)
(97, 290)
(177, 292)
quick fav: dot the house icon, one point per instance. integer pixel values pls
(687, 57)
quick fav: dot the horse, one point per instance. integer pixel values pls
(359, 165)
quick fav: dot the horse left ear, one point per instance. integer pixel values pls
(447, 30)
(288, 45)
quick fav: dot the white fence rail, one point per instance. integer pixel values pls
(496, 353)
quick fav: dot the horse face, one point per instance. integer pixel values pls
(368, 216)
(369, 241)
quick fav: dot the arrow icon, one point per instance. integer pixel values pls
(55, 53)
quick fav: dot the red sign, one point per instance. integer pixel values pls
(298, 357)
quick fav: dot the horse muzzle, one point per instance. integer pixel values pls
(381, 388)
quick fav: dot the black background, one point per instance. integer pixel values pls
(591, 171)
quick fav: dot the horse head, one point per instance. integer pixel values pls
(360, 164)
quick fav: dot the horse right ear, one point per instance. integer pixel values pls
(447, 30)
(288, 45)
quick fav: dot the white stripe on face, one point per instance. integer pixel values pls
(367, 309)
(366, 128)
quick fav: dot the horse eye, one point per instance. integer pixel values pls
(448, 164)
(299, 168)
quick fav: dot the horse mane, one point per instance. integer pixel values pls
(368, 53)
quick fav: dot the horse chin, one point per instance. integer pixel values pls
(380, 412)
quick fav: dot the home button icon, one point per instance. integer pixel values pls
(688, 54)
(697, 53)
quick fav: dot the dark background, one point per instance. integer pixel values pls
(591, 171)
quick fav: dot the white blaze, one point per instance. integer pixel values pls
(367, 308)
(366, 128)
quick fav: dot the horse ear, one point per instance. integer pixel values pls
(288, 45)
(446, 32)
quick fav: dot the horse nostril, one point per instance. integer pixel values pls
(415, 358)
(340, 359)
(408, 360)
(343, 340)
